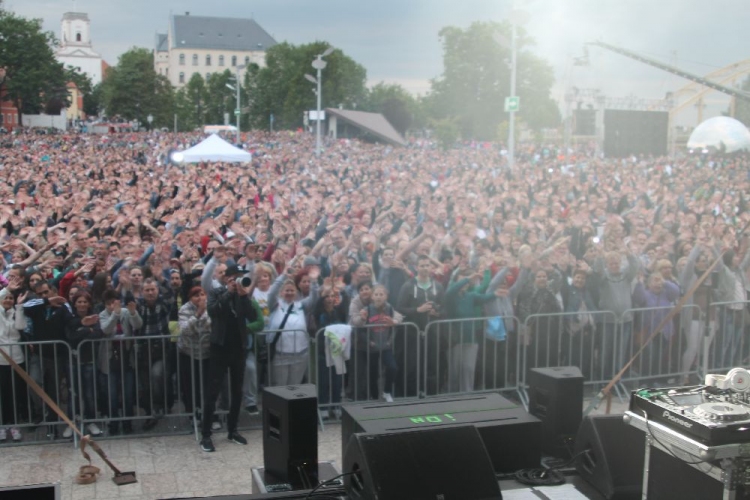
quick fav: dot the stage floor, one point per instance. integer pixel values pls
(166, 467)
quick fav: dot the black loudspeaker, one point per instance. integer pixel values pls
(556, 398)
(290, 434)
(630, 132)
(611, 456)
(510, 434)
(448, 463)
(670, 477)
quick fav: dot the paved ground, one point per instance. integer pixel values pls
(166, 467)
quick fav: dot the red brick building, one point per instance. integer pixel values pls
(8, 113)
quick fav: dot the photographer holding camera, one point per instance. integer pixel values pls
(230, 309)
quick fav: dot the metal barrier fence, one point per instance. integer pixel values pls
(135, 380)
(382, 360)
(50, 364)
(663, 360)
(728, 324)
(147, 380)
(588, 340)
(473, 354)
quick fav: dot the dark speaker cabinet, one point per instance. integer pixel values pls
(290, 433)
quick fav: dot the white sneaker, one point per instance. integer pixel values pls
(387, 397)
(94, 429)
(68, 432)
(215, 425)
(16, 434)
(3, 434)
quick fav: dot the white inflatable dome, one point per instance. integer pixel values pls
(718, 131)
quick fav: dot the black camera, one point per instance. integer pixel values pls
(243, 281)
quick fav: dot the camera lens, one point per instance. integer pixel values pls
(244, 281)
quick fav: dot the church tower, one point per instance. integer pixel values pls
(75, 46)
(76, 29)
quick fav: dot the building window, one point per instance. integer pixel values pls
(247, 60)
(78, 37)
(208, 75)
(182, 59)
(208, 60)
(195, 59)
(221, 60)
(182, 77)
(234, 61)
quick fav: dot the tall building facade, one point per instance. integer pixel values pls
(206, 45)
(75, 46)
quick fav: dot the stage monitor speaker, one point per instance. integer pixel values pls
(556, 398)
(35, 491)
(611, 456)
(290, 434)
(448, 463)
(510, 434)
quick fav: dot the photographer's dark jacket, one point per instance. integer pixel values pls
(230, 313)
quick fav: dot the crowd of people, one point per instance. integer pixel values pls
(140, 266)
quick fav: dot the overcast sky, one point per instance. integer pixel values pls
(397, 41)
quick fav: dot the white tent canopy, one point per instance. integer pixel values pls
(213, 148)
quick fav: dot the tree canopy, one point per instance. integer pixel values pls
(476, 79)
(282, 90)
(395, 103)
(133, 89)
(33, 77)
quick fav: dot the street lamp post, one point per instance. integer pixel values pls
(319, 64)
(237, 110)
(150, 120)
(516, 17)
(512, 118)
(236, 87)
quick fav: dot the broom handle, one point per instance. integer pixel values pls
(45, 397)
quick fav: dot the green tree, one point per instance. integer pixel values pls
(33, 77)
(220, 98)
(476, 80)
(92, 101)
(446, 132)
(133, 89)
(395, 103)
(282, 90)
(58, 97)
(191, 102)
(247, 99)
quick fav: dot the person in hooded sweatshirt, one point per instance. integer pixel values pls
(420, 301)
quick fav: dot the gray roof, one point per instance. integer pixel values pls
(197, 32)
(76, 15)
(161, 42)
(374, 123)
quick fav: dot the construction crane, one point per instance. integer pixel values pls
(736, 93)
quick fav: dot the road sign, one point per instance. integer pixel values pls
(512, 104)
(236, 112)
